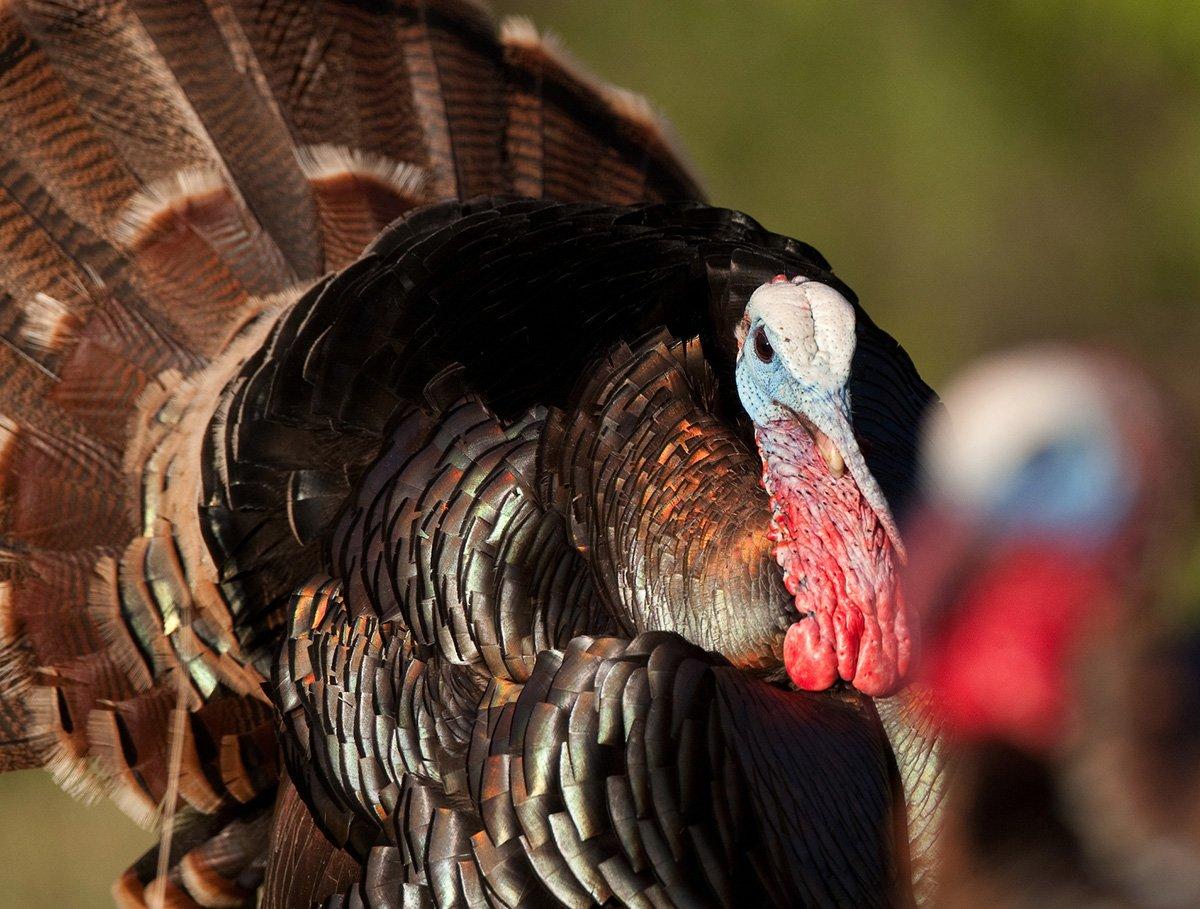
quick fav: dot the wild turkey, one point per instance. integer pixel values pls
(472, 530)
(1069, 708)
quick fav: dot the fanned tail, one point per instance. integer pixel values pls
(172, 174)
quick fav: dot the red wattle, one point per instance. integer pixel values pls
(839, 565)
(810, 661)
(1001, 666)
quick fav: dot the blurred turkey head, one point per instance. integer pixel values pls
(833, 532)
(1043, 478)
(1045, 501)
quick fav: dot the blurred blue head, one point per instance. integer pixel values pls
(1073, 486)
(1031, 446)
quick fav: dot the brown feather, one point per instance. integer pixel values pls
(358, 194)
(36, 267)
(185, 274)
(337, 73)
(572, 137)
(245, 129)
(303, 868)
(57, 145)
(22, 747)
(455, 49)
(60, 488)
(130, 893)
(121, 83)
(115, 355)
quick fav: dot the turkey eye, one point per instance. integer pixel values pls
(762, 346)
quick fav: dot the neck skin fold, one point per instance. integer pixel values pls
(838, 564)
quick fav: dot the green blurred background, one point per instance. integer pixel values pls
(981, 173)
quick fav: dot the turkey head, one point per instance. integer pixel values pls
(1051, 488)
(833, 531)
(1044, 491)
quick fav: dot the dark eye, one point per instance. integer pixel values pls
(762, 346)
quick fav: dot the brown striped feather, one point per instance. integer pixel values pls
(22, 746)
(245, 129)
(202, 202)
(35, 265)
(121, 82)
(115, 355)
(56, 144)
(572, 137)
(358, 194)
(336, 71)
(131, 893)
(183, 272)
(429, 105)
(466, 62)
(102, 52)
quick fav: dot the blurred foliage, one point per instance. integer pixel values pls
(58, 852)
(980, 173)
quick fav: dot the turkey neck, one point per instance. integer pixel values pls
(838, 565)
(806, 497)
(916, 743)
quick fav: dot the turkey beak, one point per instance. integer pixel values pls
(826, 416)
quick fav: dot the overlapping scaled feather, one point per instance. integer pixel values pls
(628, 771)
(550, 480)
